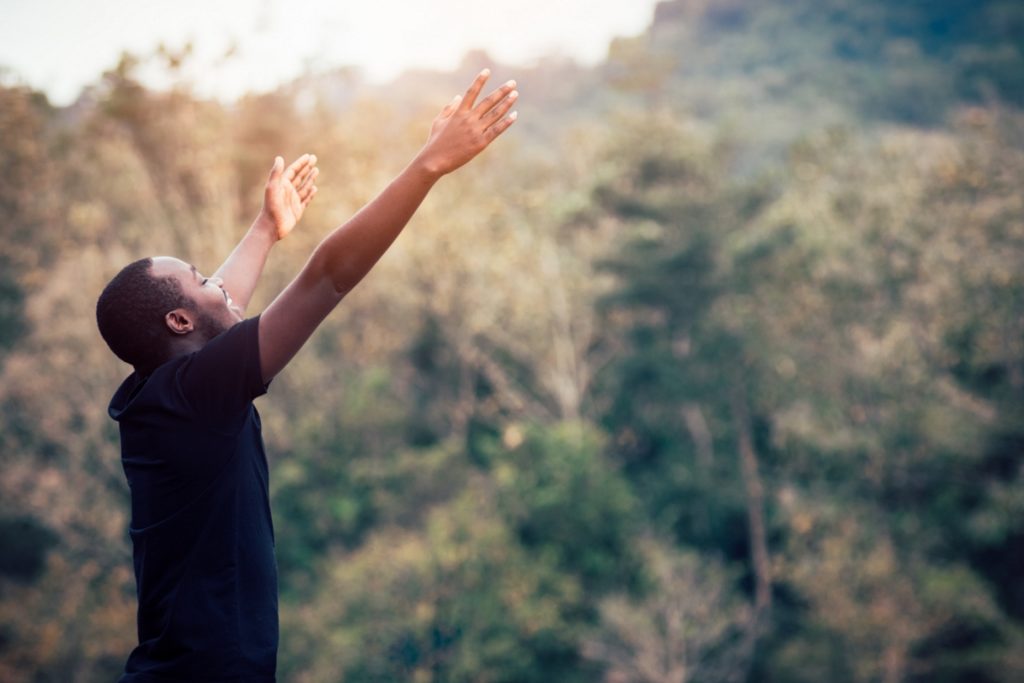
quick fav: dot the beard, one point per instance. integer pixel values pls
(209, 326)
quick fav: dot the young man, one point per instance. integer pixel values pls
(190, 436)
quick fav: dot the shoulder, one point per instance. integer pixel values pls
(221, 379)
(229, 353)
(139, 392)
(216, 383)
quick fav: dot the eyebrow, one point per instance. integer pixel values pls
(195, 272)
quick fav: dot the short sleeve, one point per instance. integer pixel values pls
(221, 380)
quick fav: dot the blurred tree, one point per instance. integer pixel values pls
(685, 629)
(806, 329)
(636, 66)
(882, 420)
(318, 499)
(24, 543)
(181, 147)
(460, 602)
(811, 386)
(26, 202)
(679, 366)
(567, 504)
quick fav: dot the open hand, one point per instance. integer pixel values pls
(288, 192)
(463, 128)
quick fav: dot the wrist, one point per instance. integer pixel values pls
(425, 168)
(265, 225)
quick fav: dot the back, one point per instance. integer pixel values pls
(201, 529)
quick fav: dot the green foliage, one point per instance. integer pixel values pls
(12, 301)
(23, 547)
(807, 302)
(462, 601)
(752, 282)
(684, 628)
(25, 214)
(668, 386)
(324, 492)
(567, 504)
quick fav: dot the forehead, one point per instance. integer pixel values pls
(168, 266)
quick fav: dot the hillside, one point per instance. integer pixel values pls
(710, 370)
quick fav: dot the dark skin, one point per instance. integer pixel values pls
(462, 130)
(224, 297)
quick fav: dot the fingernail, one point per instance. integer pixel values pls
(485, 72)
(510, 84)
(514, 94)
(513, 116)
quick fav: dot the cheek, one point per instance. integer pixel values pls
(213, 303)
(214, 298)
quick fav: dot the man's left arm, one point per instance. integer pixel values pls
(287, 194)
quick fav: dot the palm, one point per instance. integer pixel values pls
(289, 191)
(284, 207)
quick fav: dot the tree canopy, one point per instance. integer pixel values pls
(715, 373)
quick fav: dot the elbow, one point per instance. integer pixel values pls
(324, 270)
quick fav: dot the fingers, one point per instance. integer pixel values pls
(276, 169)
(501, 126)
(498, 95)
(308, 196)
(499, 110)
(451, 106)
(495, 107)
(306, 185)
(303, 172)
(474, 90)
(299, 167)
(308, 175)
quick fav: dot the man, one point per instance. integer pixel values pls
(190, 437)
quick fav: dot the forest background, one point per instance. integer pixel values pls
(714, 372)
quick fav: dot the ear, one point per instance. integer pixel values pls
(179, 321)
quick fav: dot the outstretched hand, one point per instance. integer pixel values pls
(288, 192)
(464, 128)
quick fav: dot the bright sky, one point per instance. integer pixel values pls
(62, 45)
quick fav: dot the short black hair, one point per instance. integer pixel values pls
(130, 314)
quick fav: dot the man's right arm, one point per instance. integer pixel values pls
(460, 132)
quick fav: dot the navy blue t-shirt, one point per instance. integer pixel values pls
(203, 541)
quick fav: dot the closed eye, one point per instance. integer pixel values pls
(203, 283)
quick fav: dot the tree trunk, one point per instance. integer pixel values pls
(693, 418)
(759, 558)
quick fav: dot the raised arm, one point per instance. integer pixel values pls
(461, 131)
(287, 194)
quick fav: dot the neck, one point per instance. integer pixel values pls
(186, 344)
(179, 346)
